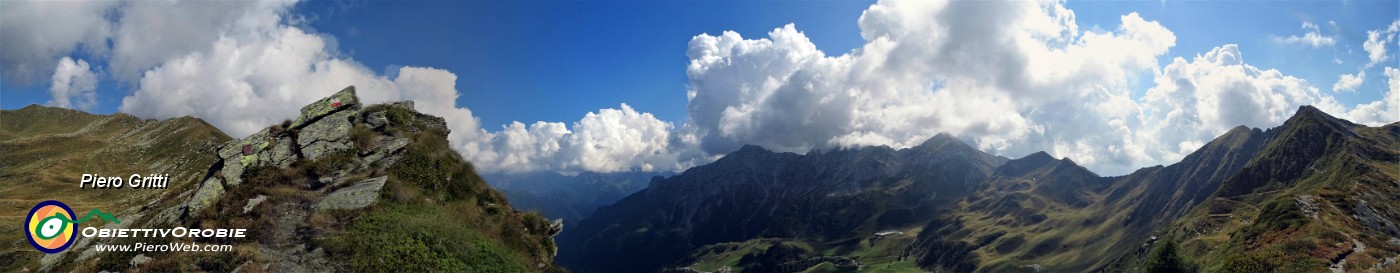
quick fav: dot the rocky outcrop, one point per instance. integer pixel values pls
(345, 99)
(208, 191)
(359, 195)
(323, 128)
(330, 134)
(337, 138)
(309, 192)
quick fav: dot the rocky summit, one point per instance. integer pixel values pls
(322, 129)
(343, 187)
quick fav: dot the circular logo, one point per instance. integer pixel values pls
(50, 226)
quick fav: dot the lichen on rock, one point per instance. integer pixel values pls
(208, 191)
(356, 196)
(340, 100)
(329, 134)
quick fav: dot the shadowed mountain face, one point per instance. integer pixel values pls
(1320, 194)
(826, 196)
(1041, 211)
(957, 209)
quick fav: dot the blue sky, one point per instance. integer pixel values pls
(554, 62)
(542, 60)
(1202, 25)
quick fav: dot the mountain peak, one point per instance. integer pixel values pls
(1309, 109)
(1308, 112)
(944, 143)
(750, 148)
(1308, 116)
(1039, 156)
(943, 136)
(941, 139)
(1027, 164)
(747, 152)
(1237, 136)
(1238, 129)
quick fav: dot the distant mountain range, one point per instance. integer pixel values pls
(1315, 193)
(569, 197)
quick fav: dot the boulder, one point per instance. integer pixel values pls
(356, 196)
(326, 135)
(377, 120)
(208, 191)
(253, 203)
(555, 227)
(240, 153)
(340, 100)
(277, 152)
(383, 152)
(139, 260)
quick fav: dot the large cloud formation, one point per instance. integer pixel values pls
(35, 34)
(244, 65)
(1012, 77)
(1195, 101)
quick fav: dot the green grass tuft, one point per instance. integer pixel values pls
(408, 238)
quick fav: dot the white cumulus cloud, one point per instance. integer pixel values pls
(610, 140)
(245, 65)
(243, 85)
(1349, 82)
(1195, 101)
(1384, 111)
(34, 34)
(74, 85)
(1376, 41)
(1312, 38)
(149, 33)
(1013, 77)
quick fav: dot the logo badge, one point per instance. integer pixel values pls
(50, 226)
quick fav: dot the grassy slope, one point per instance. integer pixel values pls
(1060, 219)
(46, 150)
(434, 214)
(879, 255)
(440, 215)
(1260, 221)
(1279, 230)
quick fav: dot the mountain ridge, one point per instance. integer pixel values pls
(1015, 213)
